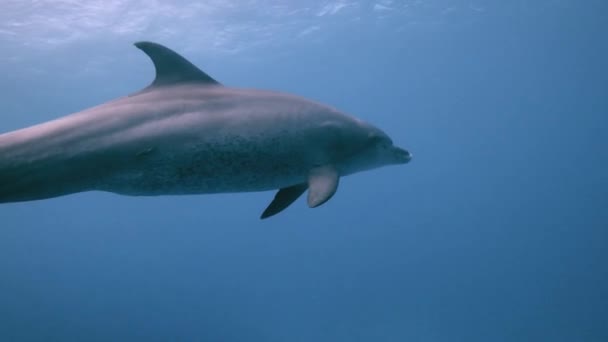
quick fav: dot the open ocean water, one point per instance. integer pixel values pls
(497, 230)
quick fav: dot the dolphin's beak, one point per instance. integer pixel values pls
(402, 156)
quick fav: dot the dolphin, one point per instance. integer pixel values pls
(186, 133)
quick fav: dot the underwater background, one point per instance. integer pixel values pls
(497, 230)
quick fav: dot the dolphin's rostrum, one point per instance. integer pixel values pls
(187, 134)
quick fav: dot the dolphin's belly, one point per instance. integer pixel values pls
(210, 166)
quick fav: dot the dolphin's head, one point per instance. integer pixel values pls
(374, 149)
(384, 152)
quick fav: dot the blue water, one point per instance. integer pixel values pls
(496, 231)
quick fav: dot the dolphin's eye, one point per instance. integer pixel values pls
(379, 141)
(375, 139)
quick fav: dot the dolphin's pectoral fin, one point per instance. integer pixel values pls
(283, 199)
(322, 185)
(172, 68)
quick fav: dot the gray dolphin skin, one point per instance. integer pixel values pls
(187, 134)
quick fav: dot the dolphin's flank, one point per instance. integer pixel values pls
(187, 134)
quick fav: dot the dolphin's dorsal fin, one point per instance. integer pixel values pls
(171, 68)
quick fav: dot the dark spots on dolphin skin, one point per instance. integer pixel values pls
(145, 152)
(229, 163)
(236, 159)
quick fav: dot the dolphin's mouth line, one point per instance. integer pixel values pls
(403, 155)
